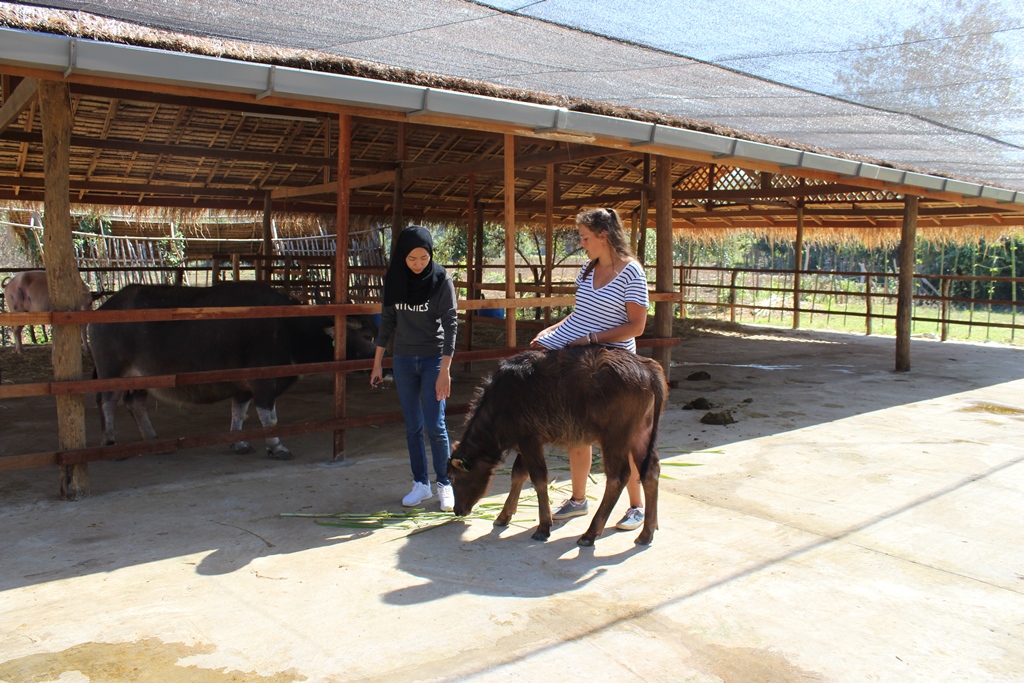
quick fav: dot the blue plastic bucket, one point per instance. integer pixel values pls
(492, 313)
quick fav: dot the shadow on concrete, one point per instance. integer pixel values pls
(136, 514)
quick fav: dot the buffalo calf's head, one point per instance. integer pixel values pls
(470, 479)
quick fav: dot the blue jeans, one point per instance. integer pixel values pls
(416, 381)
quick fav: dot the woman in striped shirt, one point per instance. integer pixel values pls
(611, 309)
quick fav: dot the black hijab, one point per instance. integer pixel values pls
(401, 285)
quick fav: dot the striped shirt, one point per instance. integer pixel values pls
(601, 309)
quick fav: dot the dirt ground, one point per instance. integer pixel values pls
(851, 524)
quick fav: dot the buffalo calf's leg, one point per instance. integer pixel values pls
(650, 503)
(615, 481)
(17, 338)
(268, 416)
(238, 415)
(532, 454)
(519, 475)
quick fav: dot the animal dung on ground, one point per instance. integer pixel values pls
(698, 404)
(698, 376)
(721, 418)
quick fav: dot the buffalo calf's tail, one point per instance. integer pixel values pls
(660, 389)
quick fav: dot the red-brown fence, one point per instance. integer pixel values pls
(796, 299)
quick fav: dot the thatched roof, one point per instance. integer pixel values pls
(148, 150)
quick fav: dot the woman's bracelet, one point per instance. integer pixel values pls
(592, 337)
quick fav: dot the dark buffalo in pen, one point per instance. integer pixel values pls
(570, 397)
(183, 346)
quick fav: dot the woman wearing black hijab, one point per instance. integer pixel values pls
(419, 309)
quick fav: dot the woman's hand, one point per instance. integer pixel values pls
(377, 374)
(443, 387)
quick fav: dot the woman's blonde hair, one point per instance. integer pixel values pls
(606, 222)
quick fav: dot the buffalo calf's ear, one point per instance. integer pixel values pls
(330, 331)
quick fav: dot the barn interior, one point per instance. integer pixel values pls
(855, 524)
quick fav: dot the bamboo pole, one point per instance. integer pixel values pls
(905, 293)
(341, 274)
(63, 278)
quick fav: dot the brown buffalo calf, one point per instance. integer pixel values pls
(570, 397)
(28, 292)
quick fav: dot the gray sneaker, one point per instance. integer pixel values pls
(570, 508)
(633, 519)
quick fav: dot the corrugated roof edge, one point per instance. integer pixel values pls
(126, 62)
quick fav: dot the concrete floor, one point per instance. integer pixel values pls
(854, 524)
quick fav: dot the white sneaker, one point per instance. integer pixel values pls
(446, 495)
(420, 492)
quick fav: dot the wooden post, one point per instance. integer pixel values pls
(867, 304)
(634, 226)
(549, 237)
(732, 295)
(510, 237)
(798, 260)
(645, 203)
(341, 274)
(479, 260)
(268, 243)
(944, 310)
(1013, 288)
(397, 208)
(236, 267)
(663, 261)
(683, 271)
(470, 271)
(327, 149)
(63, 278)
(905, 294)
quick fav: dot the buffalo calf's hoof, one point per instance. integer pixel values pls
(242, 448)
(540, 535)
(585, 542)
